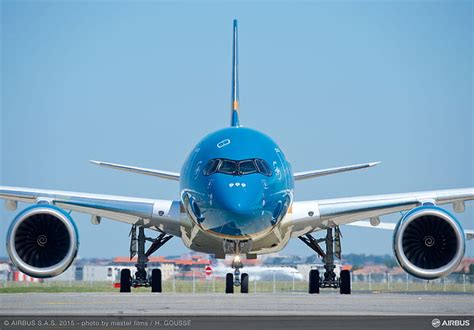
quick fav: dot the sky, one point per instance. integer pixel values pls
(140, 83)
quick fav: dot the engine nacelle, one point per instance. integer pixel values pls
(428, 242)
(42, 241)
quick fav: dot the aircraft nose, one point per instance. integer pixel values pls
(239, 197)
(240, 205)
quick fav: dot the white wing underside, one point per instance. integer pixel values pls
(155, 214)
(305, 217)
(310, 216)
(391, 226)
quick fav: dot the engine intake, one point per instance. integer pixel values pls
(429, 242)
(42, 241)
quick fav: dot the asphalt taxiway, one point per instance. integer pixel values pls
(297, 304)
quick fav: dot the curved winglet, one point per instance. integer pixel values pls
(140, 170)
(312, 174)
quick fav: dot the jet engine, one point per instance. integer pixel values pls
(42, 241)
(428, 242)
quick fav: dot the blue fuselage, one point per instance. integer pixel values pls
(236, 183)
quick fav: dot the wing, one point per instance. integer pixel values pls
(315, 173)
(308, 216)
(156, 214)
(139, 170)
(391, 226)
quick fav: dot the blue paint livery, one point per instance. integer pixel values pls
(234, 121)
(236, 206)
(232, 205)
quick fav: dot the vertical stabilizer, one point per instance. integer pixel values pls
(235, 80)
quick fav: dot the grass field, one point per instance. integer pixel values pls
(218, 285)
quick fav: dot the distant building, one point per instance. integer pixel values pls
(167, 266)
(179, 268)
(5, 270)
(20, 277)
(464, 265)
(372, 269)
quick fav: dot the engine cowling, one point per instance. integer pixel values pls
(428, 242)
(42, 241)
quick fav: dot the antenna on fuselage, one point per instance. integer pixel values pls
(235, 81)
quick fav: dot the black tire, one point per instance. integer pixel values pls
(314, 281)
(229, 283)
(156, 280)
(244, 285)
(345, 282)
(125, 280)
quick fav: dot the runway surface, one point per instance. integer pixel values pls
(35, 304)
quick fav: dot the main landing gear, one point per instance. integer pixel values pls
(237, 279)
(137, 247)
(333, 249)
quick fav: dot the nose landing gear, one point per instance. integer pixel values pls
(237, 264)
(237, 279)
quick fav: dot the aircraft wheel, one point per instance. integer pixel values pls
(314, 281)
(125, 280)
(229, 283)
(244, 285)
(156, 280)
(345, 282)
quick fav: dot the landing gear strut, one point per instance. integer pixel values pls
(137, 247)
(333, 249)
(237, 279)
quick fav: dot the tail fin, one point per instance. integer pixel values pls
(235, 81)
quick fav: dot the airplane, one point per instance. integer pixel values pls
(236, 199)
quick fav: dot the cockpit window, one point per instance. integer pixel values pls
(228, 167)
(263, 167)
(211, 166)
(247, 167)
(237, 167)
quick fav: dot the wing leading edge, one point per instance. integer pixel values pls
(309, 216)
(163, 215)
(315, 173)
(140, 170)
(391, 226)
